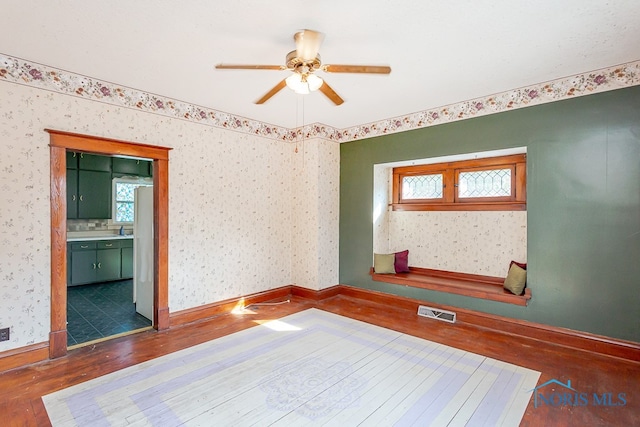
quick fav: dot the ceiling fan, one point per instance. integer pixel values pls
(303, 63)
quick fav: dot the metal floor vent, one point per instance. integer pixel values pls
(444, 315)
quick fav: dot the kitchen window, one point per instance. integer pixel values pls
(123, 198)
(494, 183)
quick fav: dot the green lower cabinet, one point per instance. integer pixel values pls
(96, 261)
(108, 264)
(68, 264)
(83, 266)
(126, 260)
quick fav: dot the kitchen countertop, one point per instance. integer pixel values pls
(105, 237)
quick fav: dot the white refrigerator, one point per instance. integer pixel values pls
(143, 251)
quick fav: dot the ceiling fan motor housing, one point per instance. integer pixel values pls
(298, 64)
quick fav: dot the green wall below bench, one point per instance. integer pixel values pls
(583, 207)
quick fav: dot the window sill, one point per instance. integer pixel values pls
(471, 285)
(492, 206)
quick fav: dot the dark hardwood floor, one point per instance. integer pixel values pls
(21, 389)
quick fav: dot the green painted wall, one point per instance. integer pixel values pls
(583, 202)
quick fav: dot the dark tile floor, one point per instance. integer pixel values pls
(101, 310)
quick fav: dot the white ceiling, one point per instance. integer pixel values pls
(441, 52)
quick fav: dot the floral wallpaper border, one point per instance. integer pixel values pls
(28, 73)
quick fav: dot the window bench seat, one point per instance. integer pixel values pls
(471, 285)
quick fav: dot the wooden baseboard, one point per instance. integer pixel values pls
(585, 341)
(223, 307)
(23, 356)
(593, 343)
(311, 294)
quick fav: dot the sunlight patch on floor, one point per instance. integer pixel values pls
(278, 325)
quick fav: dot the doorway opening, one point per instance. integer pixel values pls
(60, 142)
(109, 247)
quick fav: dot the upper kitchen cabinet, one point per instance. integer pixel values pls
(72, 192)
(94, 195)
(134, 167)
(72, 159)
(94, 162)
(88, 186)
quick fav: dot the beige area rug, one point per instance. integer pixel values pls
(310, 368)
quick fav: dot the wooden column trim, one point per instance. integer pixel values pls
(161, 243)
(58, 334)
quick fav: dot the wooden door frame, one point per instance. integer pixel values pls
(59, 143)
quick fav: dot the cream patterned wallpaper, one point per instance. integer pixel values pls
(469, 242)
(328, 199)
(304, 221)
(381, 200)
(230, 204)
(315, 214)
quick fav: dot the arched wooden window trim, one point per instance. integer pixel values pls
(59, 143)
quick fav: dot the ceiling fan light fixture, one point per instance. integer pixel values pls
(314, 82)
(302, 84)
(294, 82)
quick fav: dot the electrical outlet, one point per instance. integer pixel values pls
(4, 334)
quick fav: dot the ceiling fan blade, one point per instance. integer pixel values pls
(277, 88)
(370, 69)
(308, 44)
(249, 67)
(331, 94)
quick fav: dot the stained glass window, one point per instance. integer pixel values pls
(422, 186)
(486, 183)
(478, 183)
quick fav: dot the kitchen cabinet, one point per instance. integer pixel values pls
(121, 167)
(94, 162)
(126, 259)
(89, 182)
(108, 261)
(72, 159)
(88, 194)
(91, 162)
(88, 186)
(83, 263)
(72, 193)
(94, 194)
(94, 261)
